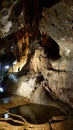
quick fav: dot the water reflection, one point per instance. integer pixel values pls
(37, 114)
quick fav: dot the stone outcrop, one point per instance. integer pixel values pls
(11, 17)
(56, 79)
(58, 21)
(57, 76)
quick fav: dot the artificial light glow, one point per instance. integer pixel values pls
(14, 62)
(11, 76)
(6, 115)
(1, 90)
(6, 67)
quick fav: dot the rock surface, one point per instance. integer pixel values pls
(58, 21)
(58, 73)
(42, 77)
(11, 17)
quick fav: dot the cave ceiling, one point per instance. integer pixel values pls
(12, 13)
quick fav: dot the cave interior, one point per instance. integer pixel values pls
(36, 68)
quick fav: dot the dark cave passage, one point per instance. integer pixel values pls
(33, 13)
(48, 3)
(51, 47)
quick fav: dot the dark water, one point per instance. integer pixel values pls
(37, 114)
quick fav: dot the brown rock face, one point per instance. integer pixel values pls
(57, 75)
(58, 21)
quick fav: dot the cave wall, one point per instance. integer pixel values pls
(57, 23)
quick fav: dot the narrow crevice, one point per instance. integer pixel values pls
(39, 79)
(58, 70)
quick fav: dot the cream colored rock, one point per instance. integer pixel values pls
(25, 87)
